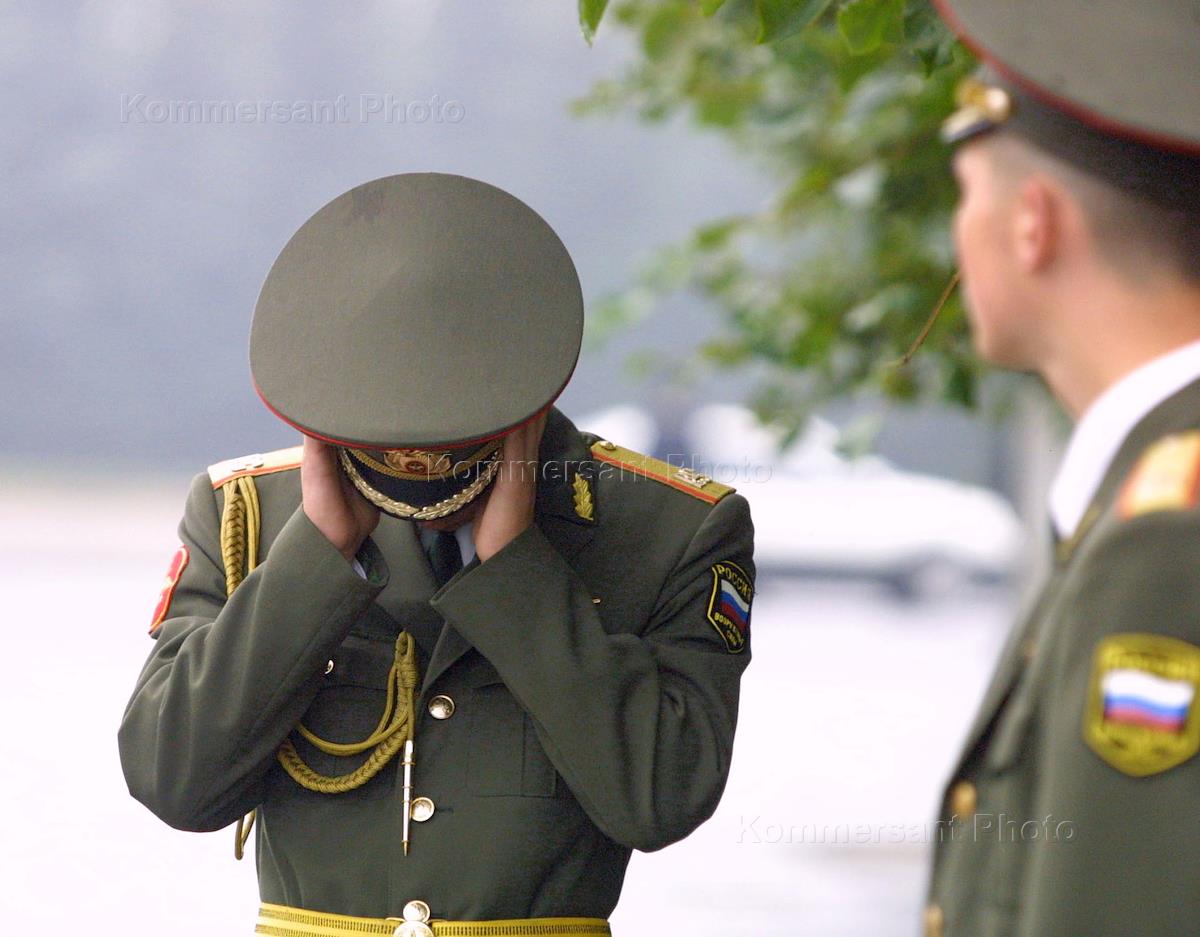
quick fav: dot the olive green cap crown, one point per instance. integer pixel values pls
(417, 310)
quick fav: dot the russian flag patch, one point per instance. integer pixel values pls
(1137, 698)
(729, 604)
(1141, 715)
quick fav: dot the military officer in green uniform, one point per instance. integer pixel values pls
(1072, 810)
(454, 657)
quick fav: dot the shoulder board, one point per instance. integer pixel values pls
(1165, 478)
(681, 478)
(263, 463)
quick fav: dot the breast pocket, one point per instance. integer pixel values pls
(504, 757)
(347, 709)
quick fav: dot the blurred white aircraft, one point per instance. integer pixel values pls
(818, 513)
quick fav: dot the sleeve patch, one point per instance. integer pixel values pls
(178, 563)
(729, 605)
(1164, 479)
(1141, 715)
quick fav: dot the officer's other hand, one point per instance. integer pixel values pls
(509, 509)
(331, 502)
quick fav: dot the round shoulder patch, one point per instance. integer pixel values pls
(1141, 715)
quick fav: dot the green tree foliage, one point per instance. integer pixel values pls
(830, 283)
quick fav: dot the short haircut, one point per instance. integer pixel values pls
(1134, 232)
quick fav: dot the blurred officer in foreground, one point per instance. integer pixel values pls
(458, 657)
(1072, 812)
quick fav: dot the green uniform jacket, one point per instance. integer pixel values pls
(595, 698)
(1060, 820)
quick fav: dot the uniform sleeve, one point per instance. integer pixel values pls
(1127, 847)
(639, 723)
(227, 680)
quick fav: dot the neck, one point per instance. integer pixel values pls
(1115, 333)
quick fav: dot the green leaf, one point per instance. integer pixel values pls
(900, 384)
(590, 14)
(779, 19)
(865, 25)
(725, 353)
(716, 234)
(724, 104)
(663, 31)
(928, 38)
(821, 288)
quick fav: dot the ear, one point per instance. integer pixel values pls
(1037, 224)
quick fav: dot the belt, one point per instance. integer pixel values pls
(279, 920)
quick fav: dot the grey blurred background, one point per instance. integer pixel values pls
(139, 218)
(134, 243)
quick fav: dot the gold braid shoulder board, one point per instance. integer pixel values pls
(681, 478)
(241, 521)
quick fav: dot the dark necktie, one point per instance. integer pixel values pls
(445, 558)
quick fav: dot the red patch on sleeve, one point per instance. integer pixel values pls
(178, 563)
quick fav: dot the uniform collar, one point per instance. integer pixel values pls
(1102, 429)
(563, 455)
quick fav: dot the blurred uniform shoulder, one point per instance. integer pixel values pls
(1165, 478)
(621, 463)
(260, 463)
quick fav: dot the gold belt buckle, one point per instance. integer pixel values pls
(414, 921)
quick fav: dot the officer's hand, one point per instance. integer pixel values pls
(331, 502)
(509, 509)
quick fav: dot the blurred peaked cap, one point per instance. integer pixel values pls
(1131, 70)
(1110, 86)
(417, 311)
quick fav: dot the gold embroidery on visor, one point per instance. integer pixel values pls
(411, 512)
(424, 464)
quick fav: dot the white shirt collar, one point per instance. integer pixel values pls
(466, 541)
(1105, 424)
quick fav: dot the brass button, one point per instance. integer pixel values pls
(329, 667)
(605, 444)
(441, 707)
(421, 810)
(964, 799)
(415, 913)
(935, 921)
(415, 910)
